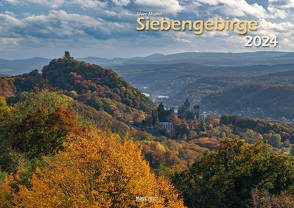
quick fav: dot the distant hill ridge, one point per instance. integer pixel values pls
(19, 66)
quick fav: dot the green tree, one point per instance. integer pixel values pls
(181, 130)
(7, 117)
(41, 132)
(292, 150)
(273, 139)
(29, 102)
(155, 119)
(225, 178)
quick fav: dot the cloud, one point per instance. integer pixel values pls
(46, 23)
(282, 29)
(48, 3)
(10, 41)
(60, 24)
(6, 23)
(121, 2)
(59, 3)
(282, 3)
(282, 26)
(236, 8)
(88, 3)
(170, 6)
(277, 13)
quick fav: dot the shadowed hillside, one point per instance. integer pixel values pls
(255, 100)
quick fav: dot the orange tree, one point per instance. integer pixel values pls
(96, 170)
(225, 178)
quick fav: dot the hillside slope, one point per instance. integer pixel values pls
(93, 85)
(256, 100)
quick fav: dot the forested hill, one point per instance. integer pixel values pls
(93, 85)
(264, 100)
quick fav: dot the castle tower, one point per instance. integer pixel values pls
(67, 54)
(187, 105)
(196, 109)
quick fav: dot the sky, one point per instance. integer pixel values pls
(107, 28)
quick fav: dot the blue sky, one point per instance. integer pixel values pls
(107, 28)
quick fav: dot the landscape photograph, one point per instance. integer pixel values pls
(147, 103)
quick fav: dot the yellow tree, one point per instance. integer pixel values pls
(6, 112)
(97, 170)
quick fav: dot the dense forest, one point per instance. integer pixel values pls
(270, 101)
(78, 135)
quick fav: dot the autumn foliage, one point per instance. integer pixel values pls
(50, 158)
(96, 170)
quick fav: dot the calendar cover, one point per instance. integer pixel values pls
(146, 103)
